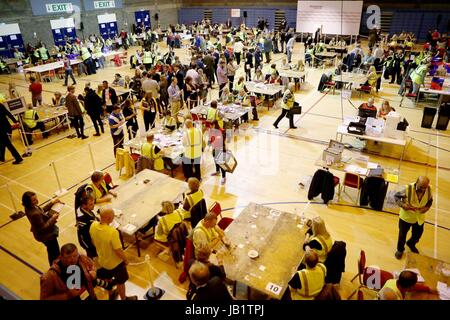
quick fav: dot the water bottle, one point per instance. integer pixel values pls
(303, 218)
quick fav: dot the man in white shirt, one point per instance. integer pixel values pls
(150, 85)
(237, 49)
(290, 48)
(193, 74)
(378, 52)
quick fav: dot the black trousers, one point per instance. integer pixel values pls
(149, 119)
(191, 168)
(238, 57)
(95, 118)
(78, 123)
(248, 74)
(69, 73)
(118, 142)
(285, 113)
(29, 132)
(132, 127)
(255, 113)
(396, 73)
(403, 228)
(52, 249)
(5, 142)
(267, 56)
(221, 86)
(230, 82)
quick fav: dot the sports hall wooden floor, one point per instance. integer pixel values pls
(271, 164)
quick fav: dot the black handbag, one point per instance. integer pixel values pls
(296, 109)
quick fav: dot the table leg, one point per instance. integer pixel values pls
(401, 157)
(121, 239)
(137, 244)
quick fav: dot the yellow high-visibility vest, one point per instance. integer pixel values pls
(412, 199)
(29, 118)
(312, 281)
(326, 247)
(85, 54)
(96, 192)
(194, 149)
(147, 57)
(213, 115)
(166, 223)
(43, 53)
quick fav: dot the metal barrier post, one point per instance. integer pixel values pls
(61, 191)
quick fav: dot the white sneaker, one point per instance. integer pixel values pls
(222, 181)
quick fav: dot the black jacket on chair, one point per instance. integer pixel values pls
(198, 212)
(373, 192)
(322, 183)
(335, 262)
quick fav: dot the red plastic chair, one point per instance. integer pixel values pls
(366, 273)
(216, 209)
(188, 255)
(360, 295)
(336, 181)
(354, 181)
(225, 222)
(108, 180)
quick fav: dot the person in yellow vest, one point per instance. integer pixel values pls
(286, 104)
(207, 233)
(87, 60)
(318, 239)
(170, 217)
(168, 122)
(193, 148)
(414, 202)
(31, 122)
(396, 289)
(213, 115)
(372, 77)
(99, 189)
(152, 151)
(43, 53)
(192, 197)
(307, 283)
(147, 59)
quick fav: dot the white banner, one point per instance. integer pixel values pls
(333, 17)
(235, 13)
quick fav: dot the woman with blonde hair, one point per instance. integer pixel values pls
(384, 110)
(318, 239)
(170, 218)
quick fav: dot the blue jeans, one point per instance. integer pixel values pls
(69, 72)
(416, 87)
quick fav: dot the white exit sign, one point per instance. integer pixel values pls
(59, 7)
(104, 4)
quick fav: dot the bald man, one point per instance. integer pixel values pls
(414, 202)
(111, 257)
(306, 284)
(396, 289)
(206, 288)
